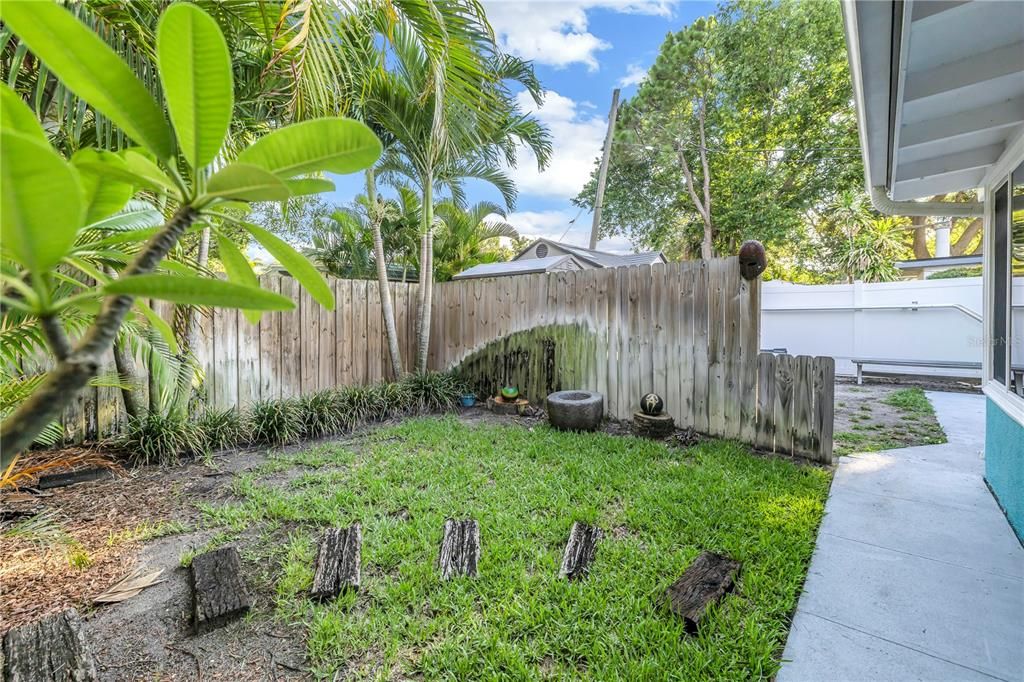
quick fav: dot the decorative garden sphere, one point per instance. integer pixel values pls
(510, 393)
(752, 259)
(652, 404)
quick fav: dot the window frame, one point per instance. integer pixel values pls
(999, 392)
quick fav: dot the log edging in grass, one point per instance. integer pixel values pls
(460, 548)
(53, 648)
(579, 551)
(219, 593)
(704, 582)
(338, 557)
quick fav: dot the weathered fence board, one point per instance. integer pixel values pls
(687, 331)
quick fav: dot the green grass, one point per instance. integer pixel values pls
(659, 507)
(910, 400)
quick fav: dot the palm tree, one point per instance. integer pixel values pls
(467, 237)
(291, 60)
(436, 142)
(343, 248)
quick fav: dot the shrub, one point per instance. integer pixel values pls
(162, 439)
(434, 391)
(318, 414)
(395, 399)
(223, 428)
(275, 421)
(357, 404)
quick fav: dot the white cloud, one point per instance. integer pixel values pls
(554, 32)
(577, 138)
(555, 225)
(635, 75)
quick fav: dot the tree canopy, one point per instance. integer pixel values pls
(744, 128)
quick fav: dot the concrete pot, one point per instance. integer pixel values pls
(575, 410)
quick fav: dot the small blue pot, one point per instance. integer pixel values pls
(468, 400)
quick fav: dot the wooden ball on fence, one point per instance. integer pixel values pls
(752, 259)
(652, 404)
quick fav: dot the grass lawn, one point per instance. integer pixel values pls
(878, 418)
(659, 507)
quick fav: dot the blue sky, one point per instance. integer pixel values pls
(582, 50)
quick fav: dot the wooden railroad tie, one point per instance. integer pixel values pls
(579, 551)
(460, 549)
(53, 649)
(704, 582)
(337, 562)
(219, 593)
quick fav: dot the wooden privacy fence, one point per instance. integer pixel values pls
(306, 349)
(687, 331)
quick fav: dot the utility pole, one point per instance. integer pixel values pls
(602, 175)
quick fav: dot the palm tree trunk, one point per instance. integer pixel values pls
(382, 276)
(190, 334)
(124, 363)
(426, 275)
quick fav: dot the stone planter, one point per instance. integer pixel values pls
(575, 410)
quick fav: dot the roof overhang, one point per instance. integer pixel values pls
(939, 90)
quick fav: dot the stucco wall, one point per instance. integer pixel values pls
(1004, 464)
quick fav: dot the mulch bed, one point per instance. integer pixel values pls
(78, 553)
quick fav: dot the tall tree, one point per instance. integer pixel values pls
(436, 142)
(743, 127)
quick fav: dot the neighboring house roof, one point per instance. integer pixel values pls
(396, 273)
(939, 89)
(602, 259)
(516, 267)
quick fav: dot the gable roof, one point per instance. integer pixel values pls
(602, 259)
(513, 267)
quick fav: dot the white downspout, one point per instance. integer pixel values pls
(942, 239)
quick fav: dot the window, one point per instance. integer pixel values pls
(1008, 269)
(1000, 290)
(1016, 300)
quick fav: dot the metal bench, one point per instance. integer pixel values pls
(1017, 371)
(936, 364)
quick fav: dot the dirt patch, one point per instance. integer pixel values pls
(87, 536)
(866, 419)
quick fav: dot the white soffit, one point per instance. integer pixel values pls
(960, 94)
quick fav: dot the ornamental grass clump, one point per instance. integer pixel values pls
(357, 405)
(275, 422)
(162, 438)
(433, 391)
(395, 399)
(223, 428)
(318, 414)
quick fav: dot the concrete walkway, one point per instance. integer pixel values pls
(916, 574)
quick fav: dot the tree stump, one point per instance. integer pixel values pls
(706, 580)
(337, 562)
(460, 549)
(653, 425)
(579, 551)
(219, 593)
(51, 649)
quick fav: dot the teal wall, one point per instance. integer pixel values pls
(1004, 463)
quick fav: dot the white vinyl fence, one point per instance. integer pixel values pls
(910, 320)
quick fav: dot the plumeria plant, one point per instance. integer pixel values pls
(50, 243)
